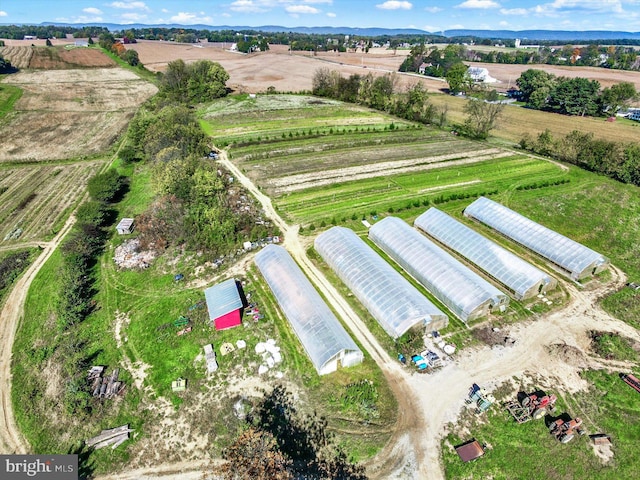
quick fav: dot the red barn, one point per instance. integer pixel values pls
(225, 302)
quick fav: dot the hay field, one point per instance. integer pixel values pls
(66, 114)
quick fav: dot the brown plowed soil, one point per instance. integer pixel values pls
(52, 58)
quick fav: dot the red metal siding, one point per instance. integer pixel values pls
(229, 320)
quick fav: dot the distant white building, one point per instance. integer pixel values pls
(480, 75)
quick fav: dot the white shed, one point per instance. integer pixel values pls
(125, 226)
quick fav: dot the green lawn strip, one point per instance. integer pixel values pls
(9, 95)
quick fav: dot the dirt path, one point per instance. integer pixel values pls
(11, 440)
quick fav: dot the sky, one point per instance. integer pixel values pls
(429, 15)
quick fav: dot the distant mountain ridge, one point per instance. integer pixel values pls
(560, 35)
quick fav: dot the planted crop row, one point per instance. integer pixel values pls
(402, 191)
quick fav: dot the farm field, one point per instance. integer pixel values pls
(68, 56)
(35, 200)
(69, 114)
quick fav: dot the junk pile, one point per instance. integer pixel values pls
(270, 355)
(129, 255)
(104, 387)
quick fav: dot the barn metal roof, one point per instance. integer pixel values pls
(223, 298)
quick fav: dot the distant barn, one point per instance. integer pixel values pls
(225, 302)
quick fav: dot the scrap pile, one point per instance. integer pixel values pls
(270, 354)
(113, 436)
(128, 255)
(104, 387)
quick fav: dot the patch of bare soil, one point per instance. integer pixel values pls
(603, 452)
(70, 113)
(304, 181)
(68, 57)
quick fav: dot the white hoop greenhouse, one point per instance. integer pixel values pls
(574, 258)
(463, 291)
(388, 296)
(519, 276)
(322, 335)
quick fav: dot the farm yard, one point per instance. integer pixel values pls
(322, 163)
(88, 109)
(36, 200)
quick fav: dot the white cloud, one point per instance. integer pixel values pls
(82, 19)
(92, 11)
(130, 5)
(503, 23)
(482, 4)
(395, 5)
(247, 6)
(187, 18)
(457, 26)
(331, 14)
(513, 11)
(604, 6)
(133, 17)
(164, 10)
(3, 14)
(296, 9)
(433, 9)
(431, 28)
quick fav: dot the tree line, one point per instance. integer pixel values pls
(381, 93)
(196, 200)
(572, 96)
(617, 160)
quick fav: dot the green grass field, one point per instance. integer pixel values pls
(9, 95)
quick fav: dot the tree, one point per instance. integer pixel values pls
(481, 117)
(458, 78)
(575, 96)
(255, 455)
(131, 57)
(105, 187)
(618, 96)
(535, 86)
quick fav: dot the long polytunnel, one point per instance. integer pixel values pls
(516, 274)
(322, 335)
(390, 298)
(463, 291)
(579, 261)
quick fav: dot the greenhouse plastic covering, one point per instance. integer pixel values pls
(516, 274)
(320, 332)
(388, 296)
(462, 290)
(572, 256)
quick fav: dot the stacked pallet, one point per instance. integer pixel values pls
(104, 386)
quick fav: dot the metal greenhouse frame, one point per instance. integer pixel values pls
(572, 257)
(463, 291)
(388, 296)
(322, 335)
(519, 276)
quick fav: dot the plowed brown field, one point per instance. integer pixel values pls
(55, 57)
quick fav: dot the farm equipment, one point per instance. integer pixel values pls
(565, 430)
(480, 397)
(631, 380)
(531, 406)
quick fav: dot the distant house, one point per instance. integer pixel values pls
(423, 67)
(81, 43)
(125, 226)
(225, 302)
(30, 37)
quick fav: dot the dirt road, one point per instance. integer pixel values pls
(11, 440)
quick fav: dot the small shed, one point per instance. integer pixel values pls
(226, 302)
(470, 450)
(125, 226)
(210, 356)
(179, 385)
